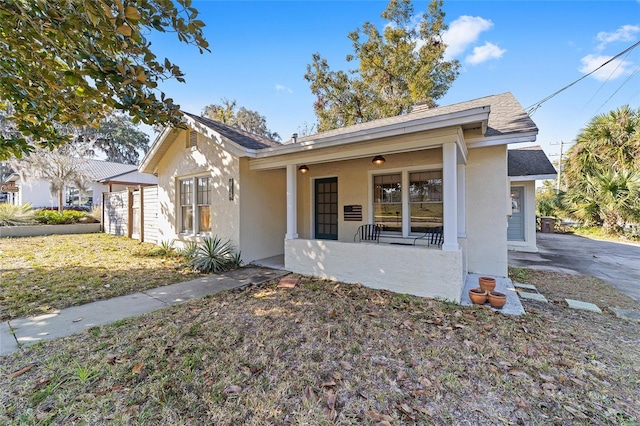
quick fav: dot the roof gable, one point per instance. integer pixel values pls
(241, 137)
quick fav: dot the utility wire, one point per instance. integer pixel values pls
(532, 109)
(618, 89)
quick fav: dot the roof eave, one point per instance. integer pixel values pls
(459, 118)
(532, 177)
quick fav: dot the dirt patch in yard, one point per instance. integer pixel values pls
(327, 353)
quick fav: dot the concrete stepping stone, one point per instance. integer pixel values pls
(586, 306)
(532, 296)
(626, 313)
(526, 286)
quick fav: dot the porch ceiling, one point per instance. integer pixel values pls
(313, 154)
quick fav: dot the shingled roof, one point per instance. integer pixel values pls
(234, 134)
(507, 117)
(530, 161)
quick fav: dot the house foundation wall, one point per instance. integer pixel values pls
(414, 270)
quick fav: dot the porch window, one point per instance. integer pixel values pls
(425, 200)
(387, 202)
(195, 205)
(422, 202)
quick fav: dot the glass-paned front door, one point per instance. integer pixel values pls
(326, 208)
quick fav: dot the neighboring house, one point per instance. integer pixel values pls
(304, 200)
(525, 166)
(106, 176)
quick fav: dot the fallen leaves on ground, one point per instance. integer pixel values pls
(333, 354)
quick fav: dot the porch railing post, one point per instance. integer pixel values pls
(450, 202)
(292, 203)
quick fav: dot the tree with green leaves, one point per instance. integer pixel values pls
(61, 167)
(397, 69)
(602, 170)
(248, 120)
(72, 63)
(117, 137)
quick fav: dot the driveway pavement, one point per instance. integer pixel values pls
(616, 263)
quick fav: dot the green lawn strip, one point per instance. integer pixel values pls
(39, 274)
(327, 353)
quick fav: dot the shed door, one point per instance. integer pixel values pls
(515, 231)
(326, 209)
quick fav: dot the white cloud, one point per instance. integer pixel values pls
(624, 33)
(463, 32)
(283, 88)
(611, 71)
(484, 53)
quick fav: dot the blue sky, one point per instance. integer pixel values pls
(260, 50)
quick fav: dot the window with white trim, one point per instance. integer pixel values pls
(412, 213)
(425, 200)
(195, 205)
(387, 202)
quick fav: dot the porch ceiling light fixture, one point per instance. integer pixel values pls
(378, 160)
(303, 168)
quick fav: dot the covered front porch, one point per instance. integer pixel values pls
(420, 185)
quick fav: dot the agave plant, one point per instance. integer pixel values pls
(215, 255)
(12, 215)
(189, 250)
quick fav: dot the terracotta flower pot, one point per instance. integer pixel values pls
(497, 299)
(478, 296)
(487, 283)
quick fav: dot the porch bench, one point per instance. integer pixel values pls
(368, 232)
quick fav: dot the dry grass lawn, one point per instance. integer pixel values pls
(41, 274)
(327, 353)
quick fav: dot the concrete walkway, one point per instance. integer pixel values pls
(23, 331)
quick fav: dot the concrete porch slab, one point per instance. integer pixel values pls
(503, 285)
(586, 306)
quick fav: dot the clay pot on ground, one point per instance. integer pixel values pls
(478, 296)
(487, 283)
(497, 299)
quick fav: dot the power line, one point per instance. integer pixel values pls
(532, 109)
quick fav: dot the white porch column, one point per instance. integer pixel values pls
(462, 208)
(450, 202)
(292, 203)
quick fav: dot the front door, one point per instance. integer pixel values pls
(326, 209)
(515, 231)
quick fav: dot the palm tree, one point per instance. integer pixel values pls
(603, 168)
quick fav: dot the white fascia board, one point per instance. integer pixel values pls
(502, 140)
(532, 177)
(144, 163)
(480, 114)
(462, 146)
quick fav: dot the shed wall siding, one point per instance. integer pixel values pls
(150, 213)
(115, 217)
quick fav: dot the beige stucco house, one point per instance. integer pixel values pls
(305, 199)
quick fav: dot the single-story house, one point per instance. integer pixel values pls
(525, 167)
(106, 176)
(304, 200)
